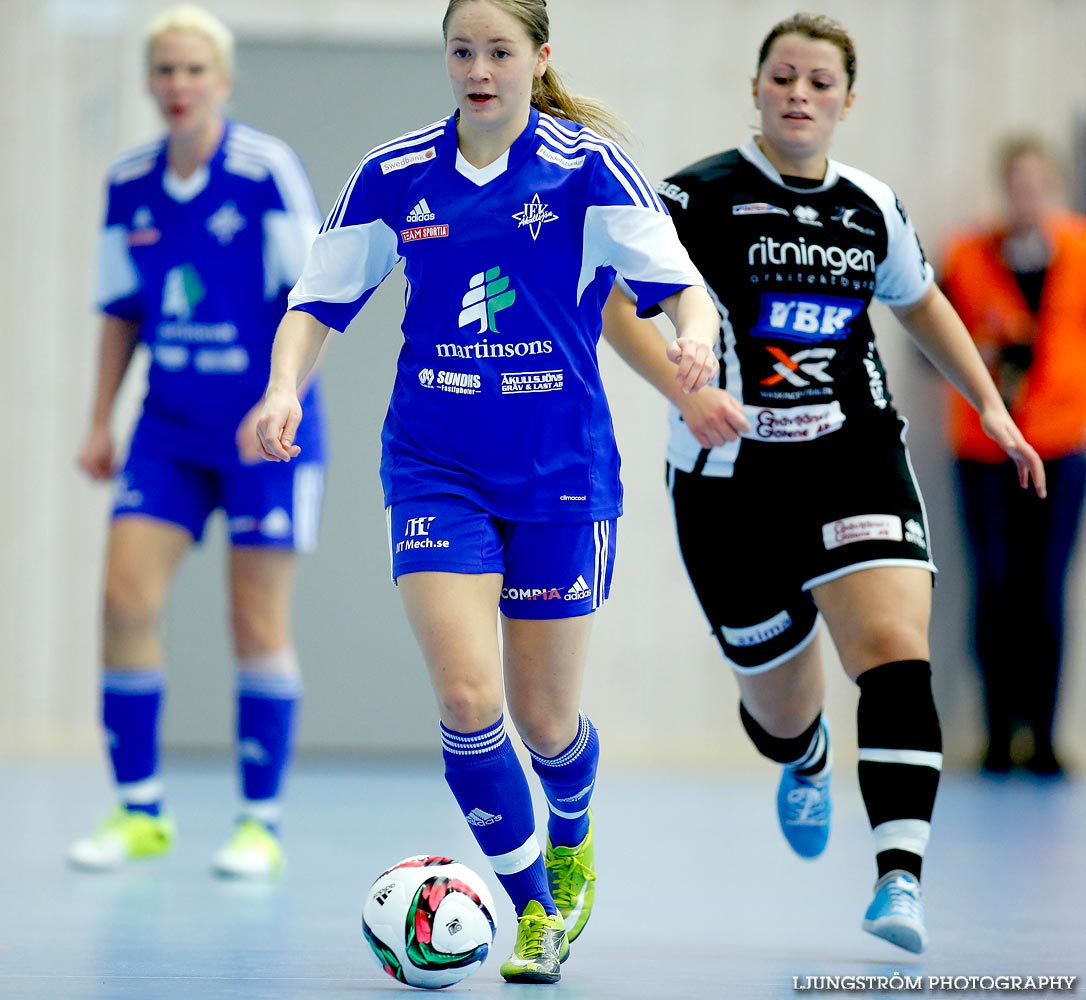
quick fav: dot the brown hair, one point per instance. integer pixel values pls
(548, 92)
(818, 27)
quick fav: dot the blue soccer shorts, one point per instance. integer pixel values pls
(550, 570)
(271, 505)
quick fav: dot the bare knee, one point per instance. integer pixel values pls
(783, 719)
(468, 707)
(258, 631)
(546, 734)
(787, 698)
(130, 608)
(884, 642)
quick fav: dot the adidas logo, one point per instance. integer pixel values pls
(579, 591)
(381, 896)
(580, 795)
(479, 817)
(420, 213)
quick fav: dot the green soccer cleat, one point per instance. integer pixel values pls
(541, 948)
(252, 852)
(125, 835)
(572, 878)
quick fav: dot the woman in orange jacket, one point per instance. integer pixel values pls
(1020, 287)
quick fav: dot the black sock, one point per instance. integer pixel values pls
(901, 755)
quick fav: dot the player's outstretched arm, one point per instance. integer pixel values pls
(942, 336)
(713, 415)
(697, 326)
(298, 343)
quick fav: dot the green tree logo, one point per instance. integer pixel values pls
(488, 294)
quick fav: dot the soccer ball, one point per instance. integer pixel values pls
(429, 921)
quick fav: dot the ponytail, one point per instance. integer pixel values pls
(549, 95)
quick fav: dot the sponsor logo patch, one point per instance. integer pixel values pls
(559, 160)
(793, 423)
(758, 208)
(810, 318)
(416, 535)
(862, 528)
(752, 635)
(800, 368)
(531, 594)
(424, 233)
(421, 156)
(520, 382)
(488, 294)
(837, 260)
(459, 383)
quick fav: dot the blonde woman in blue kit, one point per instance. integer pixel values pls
(205, 231)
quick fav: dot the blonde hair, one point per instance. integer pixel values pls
(549, 94)
(819, 28)
(189, 17)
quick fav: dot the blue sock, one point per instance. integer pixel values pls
(130, 705)
(568, 781)
(490, 787)
(267, 704)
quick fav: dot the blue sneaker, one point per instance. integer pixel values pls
(896, 913)
(804, 808)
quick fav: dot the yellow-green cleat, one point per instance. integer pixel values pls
(572, 877)
(541, 947)
(125, 835)
(252, 852)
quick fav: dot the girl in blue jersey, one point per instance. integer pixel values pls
(205, 232)
(499, 464)
(813, 508)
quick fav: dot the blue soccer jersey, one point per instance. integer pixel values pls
(203, 265)
(498, 395)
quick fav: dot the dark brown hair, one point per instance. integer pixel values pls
(548, 92)
(818, 27)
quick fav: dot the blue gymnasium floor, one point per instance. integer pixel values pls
(698, 895)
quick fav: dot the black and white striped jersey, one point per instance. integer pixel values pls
(793, 270)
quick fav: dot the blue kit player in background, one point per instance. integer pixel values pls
(205, 232)
(499, 466)
(793, 490)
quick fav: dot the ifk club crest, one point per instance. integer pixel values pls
(534, 215)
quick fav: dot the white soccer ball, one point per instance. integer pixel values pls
(429, 921)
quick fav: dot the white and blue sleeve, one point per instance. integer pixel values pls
(353, 253)
(628, 228)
